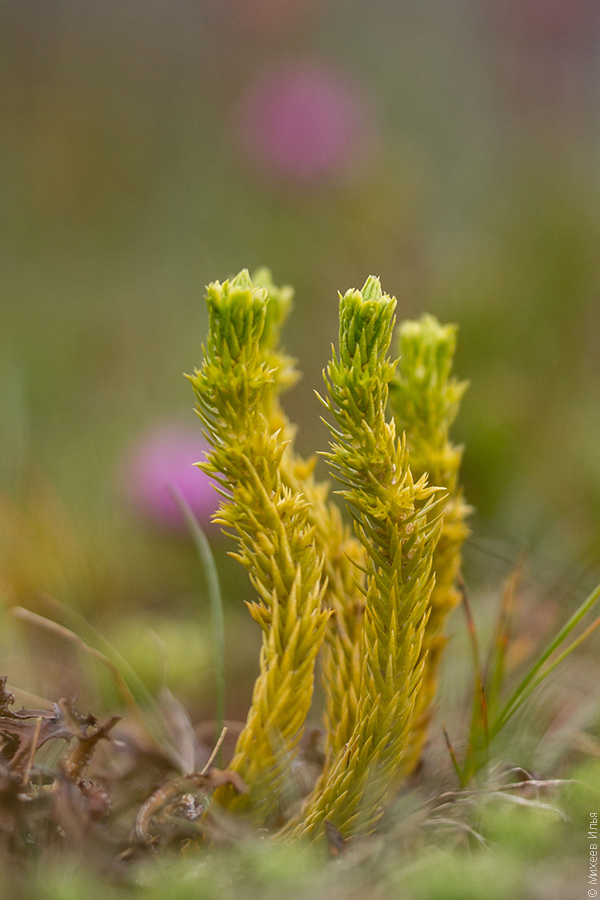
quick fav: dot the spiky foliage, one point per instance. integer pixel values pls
(397, 523)
(278, 304)
(340, 658)
(425, 398)
(235, 388)
(344, 593)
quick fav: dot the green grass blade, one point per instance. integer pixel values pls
(543, 675)
(32, 618)
(477, 751)
(141, 703)
(462, 779)
(97, 641)
(495, 669)
(531, 680)
(216, 604)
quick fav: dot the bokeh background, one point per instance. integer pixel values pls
(148, 147)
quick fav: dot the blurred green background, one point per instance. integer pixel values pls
(451, 148)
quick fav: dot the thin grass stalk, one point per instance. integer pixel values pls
(495, 669)
(531, 681)
(479, 733)
(216, 607)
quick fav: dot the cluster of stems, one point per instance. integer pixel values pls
(360, 599)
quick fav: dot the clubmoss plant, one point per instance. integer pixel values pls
(425, 398)
(365, 597)
(398, 523)
(235, 388)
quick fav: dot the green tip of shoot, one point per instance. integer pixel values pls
(279, 305)
(372, 288)
(366, 322)
(242, 280)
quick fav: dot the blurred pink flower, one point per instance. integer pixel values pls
(162, 457)
(305, 123)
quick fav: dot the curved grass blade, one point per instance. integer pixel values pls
(90, 636)
(146, 712)
(479, 736)
(216, 605)
(496, 664)
(461, 775)
(537, 673)
(537, 681)
(48, 625)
